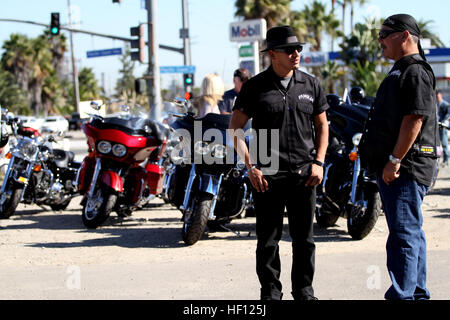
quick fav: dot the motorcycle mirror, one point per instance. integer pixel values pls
(125, 108)
(94, 105)
(180, 103)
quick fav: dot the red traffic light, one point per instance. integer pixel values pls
(187, 95)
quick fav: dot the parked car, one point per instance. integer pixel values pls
(54, 124)
(31, 122)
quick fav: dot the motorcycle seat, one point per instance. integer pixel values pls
(214, 120)
(63, 158)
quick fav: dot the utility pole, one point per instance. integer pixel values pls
(154, 88)
(74, 67)
(184, 34)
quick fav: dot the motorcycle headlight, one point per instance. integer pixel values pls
(26, 148)
(201, 147)
(219, 151)
(357, 139)
(104, 147)
(119, 150)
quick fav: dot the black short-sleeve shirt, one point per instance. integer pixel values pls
(402, 93)
(291, 111)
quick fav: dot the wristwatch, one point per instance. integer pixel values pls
(319, 163)
(394, 160)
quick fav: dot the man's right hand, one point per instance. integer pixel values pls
(258, 181)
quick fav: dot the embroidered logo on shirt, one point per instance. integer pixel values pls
(396, 73)
(305, 97)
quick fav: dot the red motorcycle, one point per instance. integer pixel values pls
(123, 168)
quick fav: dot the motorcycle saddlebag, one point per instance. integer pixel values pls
(155, 178)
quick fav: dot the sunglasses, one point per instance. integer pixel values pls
(290, 50)
(384, 33)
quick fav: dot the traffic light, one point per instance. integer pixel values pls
(138, 43)
(54, 23)
(188, 79)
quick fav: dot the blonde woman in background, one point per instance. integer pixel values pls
(211, 93)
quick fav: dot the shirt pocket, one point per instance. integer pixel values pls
(271, 104)
(305, 108)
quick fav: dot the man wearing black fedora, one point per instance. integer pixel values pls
(291, 105)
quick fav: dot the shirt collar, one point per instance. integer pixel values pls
(297, 75)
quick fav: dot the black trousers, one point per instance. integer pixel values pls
(290, 192)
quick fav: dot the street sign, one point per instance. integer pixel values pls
(177, 69)
(313, 59)
(102, 53)
(249, 65)
(248, 30)
(246, 51)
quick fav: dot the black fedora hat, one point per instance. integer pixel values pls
(281, 37)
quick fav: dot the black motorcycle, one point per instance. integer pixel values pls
(347, 189)
(200, 181)
(37, 173)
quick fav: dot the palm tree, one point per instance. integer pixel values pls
(125, 84)
(331, 73)
(352, 9)
(317, 21)
(89, 88)
(343, 4)
(426, 32)
(273, 11)
(11, 96)
(18, 59)
(42, 68)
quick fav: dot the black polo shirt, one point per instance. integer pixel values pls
(407, 89)
(291, 111)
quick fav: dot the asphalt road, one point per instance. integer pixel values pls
(50, 255)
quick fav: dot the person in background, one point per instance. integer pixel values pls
(444, 115)
(211, 93)
(240, 76)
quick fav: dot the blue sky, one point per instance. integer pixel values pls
(209, 28)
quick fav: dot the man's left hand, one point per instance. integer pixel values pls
(391, 172)
(316, 176)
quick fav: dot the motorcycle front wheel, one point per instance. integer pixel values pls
(9, 200)
(362, 217)
(97, 208)
(194, 225)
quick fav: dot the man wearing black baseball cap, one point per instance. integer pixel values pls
(290, 106)
(399, 144)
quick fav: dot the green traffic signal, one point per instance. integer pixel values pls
(188, 79)
(54, 23)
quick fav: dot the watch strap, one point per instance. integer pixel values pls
(319, 163)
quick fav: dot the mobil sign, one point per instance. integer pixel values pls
(248, 30)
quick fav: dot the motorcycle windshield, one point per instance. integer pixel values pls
(132, 124)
